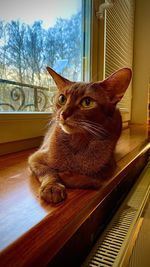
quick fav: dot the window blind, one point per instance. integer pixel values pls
(119, 26)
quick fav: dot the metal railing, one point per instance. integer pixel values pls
(21, 97)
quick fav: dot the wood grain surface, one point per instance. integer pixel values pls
(32, 231)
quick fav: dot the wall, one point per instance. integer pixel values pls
(141, 62)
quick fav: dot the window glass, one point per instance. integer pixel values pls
(33, 35)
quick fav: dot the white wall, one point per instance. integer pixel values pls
(141, 62)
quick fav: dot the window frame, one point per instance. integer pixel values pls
(16, 127)
(97, 44)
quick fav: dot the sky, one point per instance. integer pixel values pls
(30, 10)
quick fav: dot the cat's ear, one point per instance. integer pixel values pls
(60, 81)
(116, 84)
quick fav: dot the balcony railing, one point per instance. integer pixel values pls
(21, 97)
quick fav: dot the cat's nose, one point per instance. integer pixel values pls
(65, 114)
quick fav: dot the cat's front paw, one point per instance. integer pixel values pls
(53, 192)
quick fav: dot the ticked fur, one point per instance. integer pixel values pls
(78, 148)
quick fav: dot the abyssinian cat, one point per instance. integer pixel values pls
(77, 151)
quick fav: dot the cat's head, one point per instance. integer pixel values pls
(86, 106)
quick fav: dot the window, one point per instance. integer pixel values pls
(28, 43)
(71, 40)
(32, 36)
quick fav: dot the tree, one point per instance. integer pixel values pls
(63, 42)
(34, 51)
(15, 56)
(26, 50)
(3, 41)
(51, 47)
(73, 35)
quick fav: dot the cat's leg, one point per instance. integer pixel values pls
(72, 180)
(37, 163)
(51, 189)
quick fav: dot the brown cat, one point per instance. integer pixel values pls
(77, 151)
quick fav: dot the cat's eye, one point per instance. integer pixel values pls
(87, 102)
(62, 100)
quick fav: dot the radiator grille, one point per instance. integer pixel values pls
(106, 251)
(111, 247)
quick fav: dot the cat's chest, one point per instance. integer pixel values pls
(82, 160)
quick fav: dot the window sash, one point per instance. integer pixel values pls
(21, 126)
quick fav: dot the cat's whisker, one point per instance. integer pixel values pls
(99, 130)
(94, 133)
(96, 125)
(87, 127)
(50, 122)
(94, 128)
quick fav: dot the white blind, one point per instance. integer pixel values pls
(119, 25)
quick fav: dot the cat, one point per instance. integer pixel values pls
(78, 149)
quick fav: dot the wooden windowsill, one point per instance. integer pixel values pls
(32, 232)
